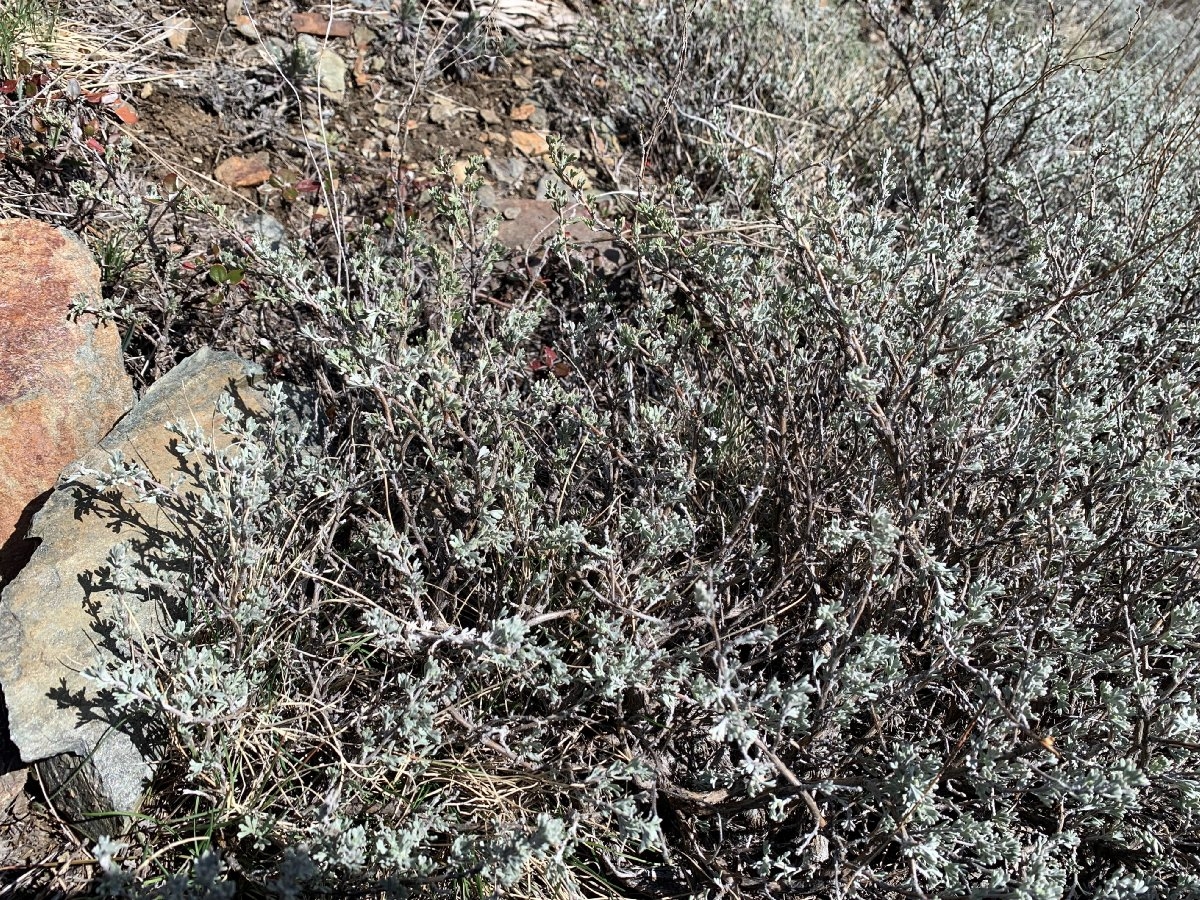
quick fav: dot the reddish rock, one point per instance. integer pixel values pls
(244, 171)
(315, 23)
(62, 383)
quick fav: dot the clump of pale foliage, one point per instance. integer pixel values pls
(846, 544)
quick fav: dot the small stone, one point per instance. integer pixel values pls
(529, 223)
(507, 170)
(315, 23)
(274, 49)
(530, 142)
(246, 28)
(441, 112)
(522, 113)
(328, 67)
(522, 82)
(363, 36)
(235, 15)
(331, 75)
(267, 231)
(14, 802)
(490, 117)
(458, 171)
(176, 30)
(244, 171)
(487, 197)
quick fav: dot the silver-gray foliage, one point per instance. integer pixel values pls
(845, 548)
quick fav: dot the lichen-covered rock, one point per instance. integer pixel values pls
(52, 614)
(62, 382)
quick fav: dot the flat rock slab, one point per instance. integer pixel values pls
(525, 225)
(52, 614)
(62, 383)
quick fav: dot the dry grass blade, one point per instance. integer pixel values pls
(123, 56)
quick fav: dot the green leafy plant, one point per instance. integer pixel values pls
(21, 20)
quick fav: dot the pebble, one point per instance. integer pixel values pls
(530, 142)
(266, 230)
(441, 112)
(177, 29)
(316, 24)
(243, 171)
(507, 170)
(236, 16)
(329, 67)
(487, 197)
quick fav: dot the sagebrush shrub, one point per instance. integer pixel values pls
(845, 544)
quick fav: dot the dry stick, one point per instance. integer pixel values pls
(30, 867)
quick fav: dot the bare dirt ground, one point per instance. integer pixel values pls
(425, 89)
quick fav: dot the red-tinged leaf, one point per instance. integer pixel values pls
(94, 144)
(124, 112)
(8, 86)
(189, 266)
(307, 186)
(545, 360)
(92, 96)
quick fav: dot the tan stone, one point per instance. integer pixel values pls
(177, 29)
(62, 383)
(522, 113)
(530, 142)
